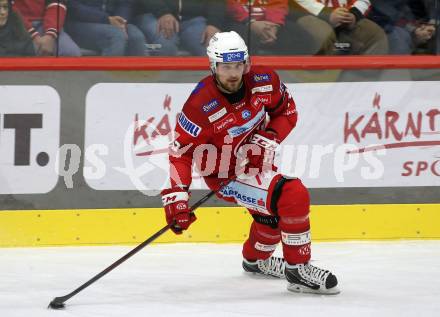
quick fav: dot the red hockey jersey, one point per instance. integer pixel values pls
(51, 12)
(316, 6)
(210, 130)
(269, 10)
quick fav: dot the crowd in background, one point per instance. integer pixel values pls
(184, 27)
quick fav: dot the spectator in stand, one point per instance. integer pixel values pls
(180, 24)
(101, 25)
(433, 8)
(44, 20)
(14, 39)
(353, 32)
(275, 30)
(407, 23)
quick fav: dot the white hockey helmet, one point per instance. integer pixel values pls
(226, 47)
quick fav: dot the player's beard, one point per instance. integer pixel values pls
(230, 86)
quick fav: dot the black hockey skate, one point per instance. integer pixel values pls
(306, 278)
(273, 266)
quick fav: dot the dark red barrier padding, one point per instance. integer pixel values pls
(201, 63)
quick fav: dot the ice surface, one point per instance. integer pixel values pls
(376, 279)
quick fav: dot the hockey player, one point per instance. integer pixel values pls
(223, 128)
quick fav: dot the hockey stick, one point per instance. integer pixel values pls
(58, 302)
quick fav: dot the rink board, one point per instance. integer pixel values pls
(41, 208)
(214, 224)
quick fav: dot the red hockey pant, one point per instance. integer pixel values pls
(293, 228)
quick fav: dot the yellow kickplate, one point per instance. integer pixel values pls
(214, 224)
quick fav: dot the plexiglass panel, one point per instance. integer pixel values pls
(184, 27)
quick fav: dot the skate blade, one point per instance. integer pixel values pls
(296, 288)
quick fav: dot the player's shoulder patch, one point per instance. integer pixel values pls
(198, 88)
(202, 85)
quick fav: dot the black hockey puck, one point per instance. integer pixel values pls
(56, 305)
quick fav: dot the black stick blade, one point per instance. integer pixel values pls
(56, 304)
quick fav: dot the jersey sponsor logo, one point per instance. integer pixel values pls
(242, 197)
(198, 88)
(247, 196)
(289, 112)
(233, 57)
(189, 126)
(239, 130)
(261, 100)
(261, 78)
(239, 105)
(210, 106)
(265, 98)
(217, 115)
(255, 102)
(246, 114)
(265, 88)
(224, 123)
